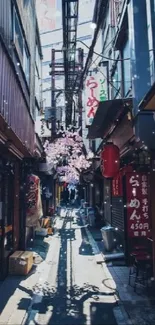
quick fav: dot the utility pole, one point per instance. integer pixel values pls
(53, 103)
(80, 108)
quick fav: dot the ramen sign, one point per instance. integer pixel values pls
(138, 217)
(96, 91)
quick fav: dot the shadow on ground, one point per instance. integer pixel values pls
(65, 304)
(11, 283)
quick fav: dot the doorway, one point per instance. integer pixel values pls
(6, 219)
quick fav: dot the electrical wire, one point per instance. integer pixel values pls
(99, 54)
(118, 90)
(93, 62)
(102, 56)
(91, 48)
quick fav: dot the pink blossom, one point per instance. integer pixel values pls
(70, 147)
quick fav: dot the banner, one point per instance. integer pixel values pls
(138, 217)
(96, 91)
(33, 201)
(46, 12)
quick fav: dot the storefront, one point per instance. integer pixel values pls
(126, 207)
(127, 201)
(9, 212)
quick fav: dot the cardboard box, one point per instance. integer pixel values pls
(50, 231)
(20, 263)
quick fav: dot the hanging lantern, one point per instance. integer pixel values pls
(65, 184)
(110, 161)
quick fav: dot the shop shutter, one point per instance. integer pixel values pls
(118, 213)
(107, 200)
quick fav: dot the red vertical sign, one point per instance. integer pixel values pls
(138, 218)
(117, 186)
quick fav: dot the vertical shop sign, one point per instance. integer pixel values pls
(138, 218)
(96, 91)
(117, 186)
(91, 100)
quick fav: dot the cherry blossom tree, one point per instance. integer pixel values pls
(65, 154)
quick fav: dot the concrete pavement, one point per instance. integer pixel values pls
(72, 290)
(68, 287)
(139, 305)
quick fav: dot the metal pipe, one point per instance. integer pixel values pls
(53, 106)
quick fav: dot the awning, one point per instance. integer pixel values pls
(148, 102)
(107, 113)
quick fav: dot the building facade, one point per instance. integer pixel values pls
(126, 120)
(18, 39)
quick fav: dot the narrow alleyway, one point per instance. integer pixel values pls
(71, 290)
(67, 285)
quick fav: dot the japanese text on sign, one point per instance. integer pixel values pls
(96, 91)
(92, 102)
(117, 186)
(137, 205)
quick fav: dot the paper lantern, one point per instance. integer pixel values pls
(110, 161)
(65, 185)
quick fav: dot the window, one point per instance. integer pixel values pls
(21, 46)
(38, 75)
(37, 86)
(38, 61)
(126, 68)
(18, 36)
(116, 80)
(26, 64)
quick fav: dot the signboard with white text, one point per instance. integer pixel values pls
(138, 216)
(41, 127)
(96, 91)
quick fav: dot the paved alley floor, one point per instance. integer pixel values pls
(72, 291)
(68, 288)
(67, 285)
